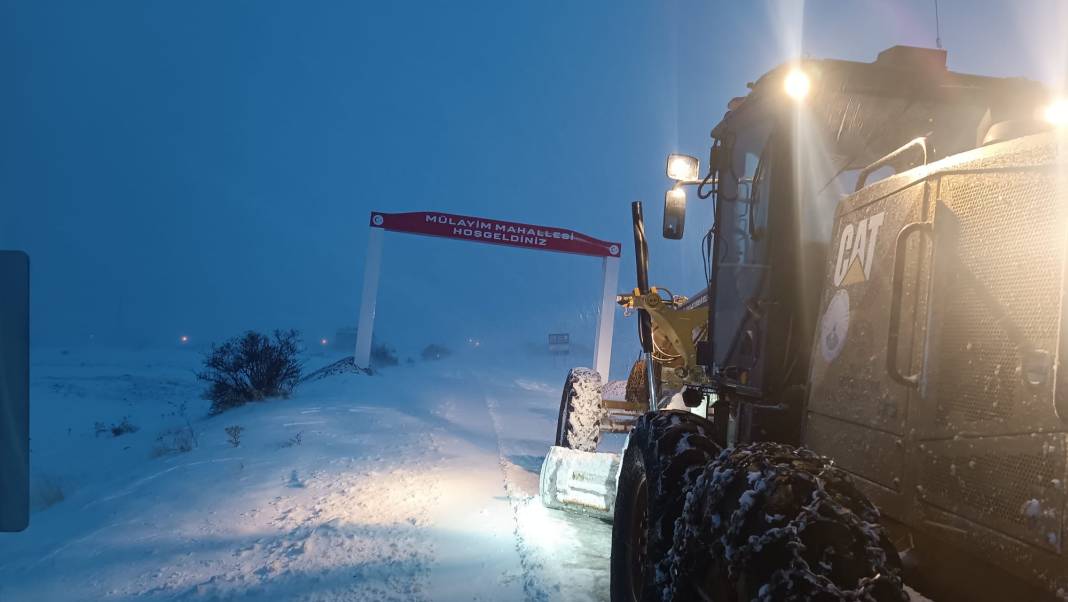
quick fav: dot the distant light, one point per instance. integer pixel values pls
(1057, 112)
(323, 341)
(797, 84)
(183, 339)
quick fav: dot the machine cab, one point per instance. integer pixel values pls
(783, 159)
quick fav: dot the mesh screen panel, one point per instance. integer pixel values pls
(1011, 240)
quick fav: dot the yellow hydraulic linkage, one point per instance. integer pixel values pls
(676, 332)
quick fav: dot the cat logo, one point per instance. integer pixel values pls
(856, 247)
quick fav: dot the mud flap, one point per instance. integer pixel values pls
(579, 481)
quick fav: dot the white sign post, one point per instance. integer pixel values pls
(371, 267)
(602, 347)
(494, 232)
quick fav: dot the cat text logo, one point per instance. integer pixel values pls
(856, 248)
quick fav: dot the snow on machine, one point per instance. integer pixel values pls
(868, 391)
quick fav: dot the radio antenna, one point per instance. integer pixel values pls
(938, 28)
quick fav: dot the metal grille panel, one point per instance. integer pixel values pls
(1011, 241)
(998, 486)
(1015, 490)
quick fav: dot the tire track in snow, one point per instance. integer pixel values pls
(568, 554)
(532, 580)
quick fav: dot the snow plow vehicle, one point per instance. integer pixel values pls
(868, 392)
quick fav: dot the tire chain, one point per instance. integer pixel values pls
(682, 446)
(833, 505)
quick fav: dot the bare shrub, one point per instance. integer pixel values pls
(175, 440)
(123, 427)
(115, 430)
(295, 481)
(233, 435)
(434, 351)
(46, 492)
(252, 367)
(383, 356)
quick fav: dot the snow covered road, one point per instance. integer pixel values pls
(415, 484)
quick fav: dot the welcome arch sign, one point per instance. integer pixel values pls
(495, 232)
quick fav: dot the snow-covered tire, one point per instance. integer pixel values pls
(665, 453)
(768, 521)
(581, 409)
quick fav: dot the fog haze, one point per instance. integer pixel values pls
(202, 168)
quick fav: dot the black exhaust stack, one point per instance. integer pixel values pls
(645, 327)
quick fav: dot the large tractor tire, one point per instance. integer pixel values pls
(665, 453)
(581, 410)
(768, 521)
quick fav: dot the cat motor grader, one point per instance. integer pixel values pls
(868, 390)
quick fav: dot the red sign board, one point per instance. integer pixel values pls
(480, 229)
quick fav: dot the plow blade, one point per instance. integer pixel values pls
(579, 481)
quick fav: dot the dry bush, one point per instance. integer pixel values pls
(295, 440)
(252, 367)
(233, 435)
(46, 491)
(434, 351)
(383, 356)
(115, 430)
(175, 440)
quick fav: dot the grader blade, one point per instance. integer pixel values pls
(579, 481)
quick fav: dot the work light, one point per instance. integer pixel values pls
(1056, 112)
(797, 84)
(683, 168)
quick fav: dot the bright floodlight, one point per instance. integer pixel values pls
(183, 339)
(1057, 112)
(797, 84)
(683, 168)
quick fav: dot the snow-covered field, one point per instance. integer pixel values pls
(413, 484)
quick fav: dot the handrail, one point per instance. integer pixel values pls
(897, 280)
(920, 142)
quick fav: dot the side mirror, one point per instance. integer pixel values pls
(683, 168)
(674, 213)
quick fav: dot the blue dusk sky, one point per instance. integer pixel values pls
(199, 168)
